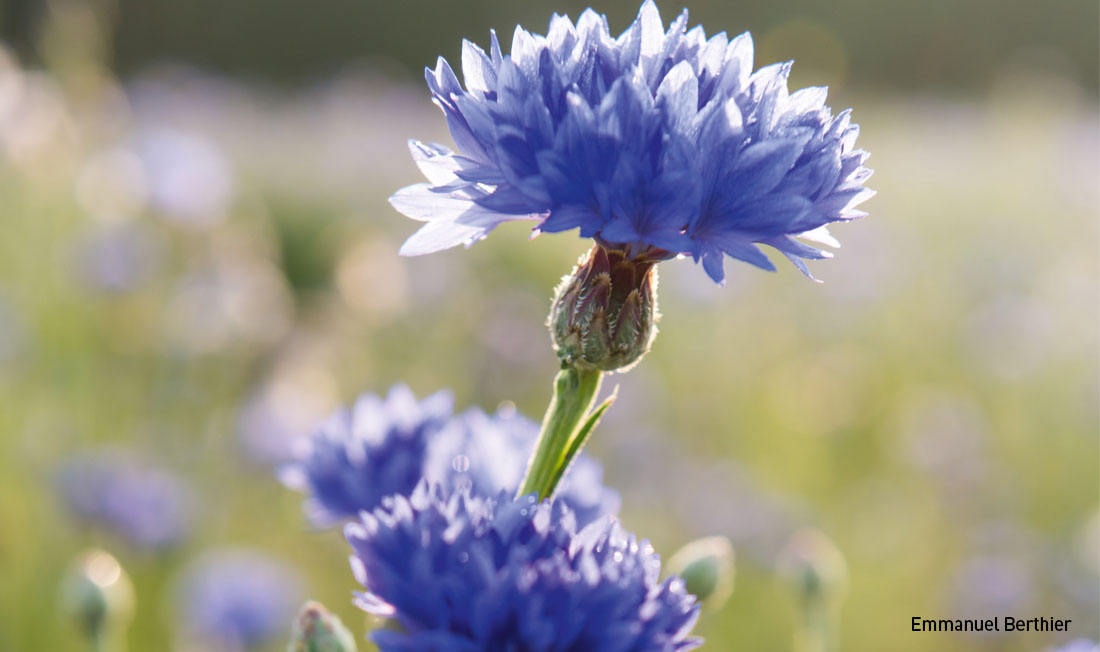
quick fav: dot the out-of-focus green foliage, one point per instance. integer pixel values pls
(934, 44)
(932, 407)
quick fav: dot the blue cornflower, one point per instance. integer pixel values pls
(384, 447)
(489, 454)
(654, 143)
(359, 456)
(239, 599)
(147, 506)
(467, 574)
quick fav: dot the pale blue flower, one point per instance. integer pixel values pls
(239, 599)
(657, 143)
(147, 506)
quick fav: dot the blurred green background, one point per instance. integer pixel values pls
(199, 263)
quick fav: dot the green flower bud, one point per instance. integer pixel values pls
(605, 312)
(815, 565)
(97, 591)
(707, 568)
(817, 569)
(317, 630)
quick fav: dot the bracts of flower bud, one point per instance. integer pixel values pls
(317, 630)
(98, 593)
(816, 568)
(605, 311)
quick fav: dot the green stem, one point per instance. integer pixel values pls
(575, 390)
(819, 629)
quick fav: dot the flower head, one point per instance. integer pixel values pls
(359, 456)
(239, 599)
(385, 447)
(470, 573)
(147, 506)
(656, 143)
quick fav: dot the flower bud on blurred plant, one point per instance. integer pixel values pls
(605, 312)
(317, 630)
(815, 564)
(816, 568)
(707, 568)
(98, 593)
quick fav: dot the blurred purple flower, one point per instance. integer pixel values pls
(359, 456)
(707, 497)
(239, 599)
(274, 421)
(237, 298)
(1079, 645)
(149, 507)
(115, 259)
(489, 454)
(384, 447)
(189, 179)
(985, 586)
(946, 437)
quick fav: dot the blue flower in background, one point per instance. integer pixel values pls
(239, 599)
(657, 143)
(467, 574)
(361, 455)
(1079, 645)
(147, 506)
(489, 454)
(384, 447)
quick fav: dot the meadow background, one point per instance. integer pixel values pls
(198, 263)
